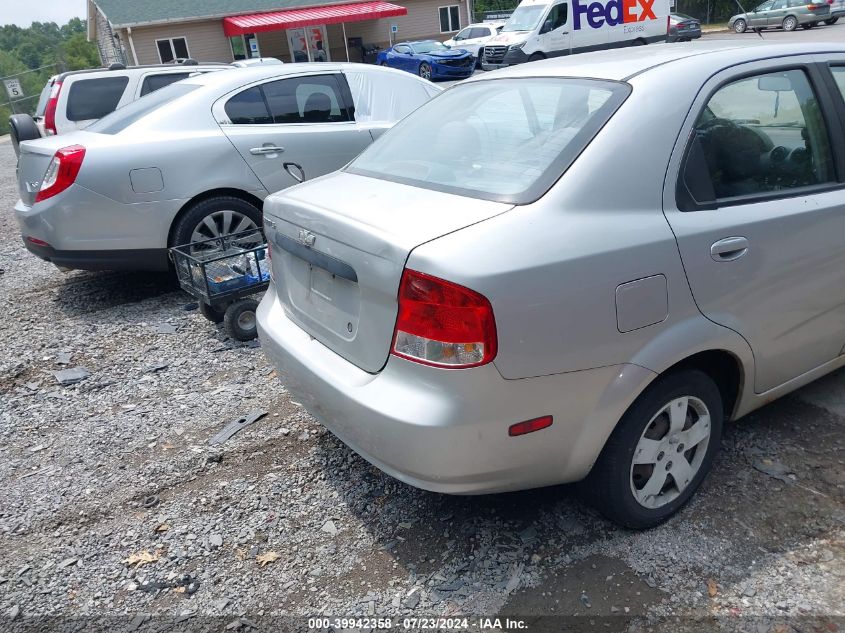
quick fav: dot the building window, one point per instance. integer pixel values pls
(450, 19)
(172, 48)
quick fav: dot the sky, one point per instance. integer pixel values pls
(25, 13)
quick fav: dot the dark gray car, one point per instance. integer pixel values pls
(785, 14)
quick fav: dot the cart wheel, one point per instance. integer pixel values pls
(239, 320)
(210, 313)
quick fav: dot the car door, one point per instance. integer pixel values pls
(777, 13)
(758, 211)
(759, 17)
(554, 36)
(292, 128)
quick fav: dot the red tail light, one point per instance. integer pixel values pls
(62, 171)
(441, 323)
(813, 7)
(50, 110)
(529, 426)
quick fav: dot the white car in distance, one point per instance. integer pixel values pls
(473, 37)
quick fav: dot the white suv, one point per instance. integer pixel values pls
(74, 100)
(473, 37)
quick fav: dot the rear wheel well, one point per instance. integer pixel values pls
(723, 368)
(214, 193)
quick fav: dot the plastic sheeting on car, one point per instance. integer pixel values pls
(387, 96)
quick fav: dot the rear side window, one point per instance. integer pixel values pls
(314, 99)
(94, 98)
(152, 83)
(839, 77)
(248, 108)
(760, 135)
(507, 140)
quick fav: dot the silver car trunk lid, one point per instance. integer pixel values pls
(340, 244)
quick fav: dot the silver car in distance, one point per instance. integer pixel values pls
(196, 159)
(575, 269)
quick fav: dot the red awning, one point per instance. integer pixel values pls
(295, 18)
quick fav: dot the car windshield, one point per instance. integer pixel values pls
(680, 17)
(123, 117)
(525, 18)
(507, 140)
(428, 47)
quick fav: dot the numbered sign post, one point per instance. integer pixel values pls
(13, 87)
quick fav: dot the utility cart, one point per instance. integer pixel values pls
(224, 273)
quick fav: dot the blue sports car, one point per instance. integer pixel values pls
(429, 59)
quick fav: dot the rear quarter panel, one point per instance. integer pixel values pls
(551, 269)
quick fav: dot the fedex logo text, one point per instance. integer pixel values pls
(613, 13)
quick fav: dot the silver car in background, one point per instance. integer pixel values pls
(628, 249)
(196, 159)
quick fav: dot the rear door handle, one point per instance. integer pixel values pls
(729, 249)
(266, 149)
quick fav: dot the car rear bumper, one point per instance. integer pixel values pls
(447, 430)
(139, 259)
(84, 230)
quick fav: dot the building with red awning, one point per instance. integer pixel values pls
(161, 31)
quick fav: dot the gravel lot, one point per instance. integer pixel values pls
(115, 513)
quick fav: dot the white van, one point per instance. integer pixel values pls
(543, 28)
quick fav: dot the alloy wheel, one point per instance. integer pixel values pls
(425, 71)
(670, 451)
(220, 224)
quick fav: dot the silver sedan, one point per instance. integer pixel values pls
(575, 269)
(195, 160)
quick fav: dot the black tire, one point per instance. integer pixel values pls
(740, 26)
(239, 320)
(184, 227)
(831, 21)
(424, 70)
(535, 57)
(22, 128)
(790, 23)
(610, 485)
(210, 313)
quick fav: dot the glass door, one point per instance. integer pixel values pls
(309, 44)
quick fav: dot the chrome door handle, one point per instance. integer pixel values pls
(259, 151)
(729, 249)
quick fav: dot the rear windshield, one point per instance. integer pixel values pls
(507, 140)
(121, 119)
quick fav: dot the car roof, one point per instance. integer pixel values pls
(177, 67)
(416, 42)
(233, 78)
(621, 64)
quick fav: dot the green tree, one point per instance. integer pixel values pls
(44, 44)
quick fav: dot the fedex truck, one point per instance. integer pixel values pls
(542, 28)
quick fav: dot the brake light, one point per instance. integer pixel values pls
(813, 7)
(62, 171)
(441, 323)
(50, 110)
